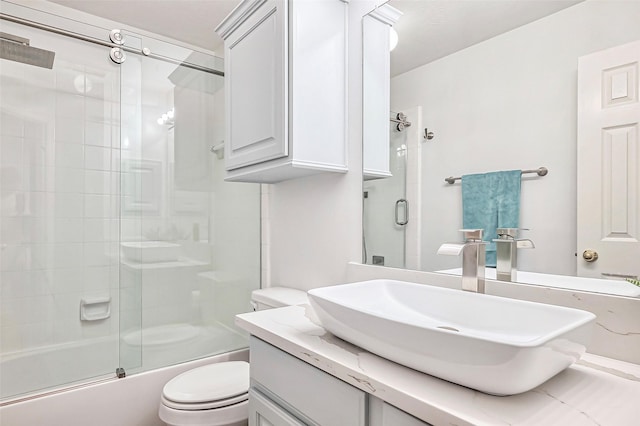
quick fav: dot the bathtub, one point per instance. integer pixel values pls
(106, 400)
(132, 400)
(96, 359)
(66, 363)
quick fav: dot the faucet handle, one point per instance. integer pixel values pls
(506, 233)
(525, 243)
(472, 234)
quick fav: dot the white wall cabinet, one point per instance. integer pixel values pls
(376, 86)
(286, 391)
(285, 89)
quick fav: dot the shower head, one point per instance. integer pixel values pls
(14, 48)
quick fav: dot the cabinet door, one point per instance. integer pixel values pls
(384, 414)
(311, 394)
(256, 87)
(376, 91)
(264, 412)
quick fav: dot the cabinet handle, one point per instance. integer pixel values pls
(404, 203)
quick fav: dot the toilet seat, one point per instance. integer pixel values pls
(208, 387)
(210, 405)
(215, 395)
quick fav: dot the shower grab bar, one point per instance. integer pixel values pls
(541, 171)
(406, 212)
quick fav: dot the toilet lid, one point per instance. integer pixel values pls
(238, 400)
(213, 382)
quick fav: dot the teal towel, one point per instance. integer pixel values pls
(491, 201)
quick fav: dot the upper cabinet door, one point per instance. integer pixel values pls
(285, 89)
(376, 81)
(256, 82)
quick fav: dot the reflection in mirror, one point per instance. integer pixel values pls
(517, 86)
(387, 241)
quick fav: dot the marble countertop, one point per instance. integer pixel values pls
(594, 391)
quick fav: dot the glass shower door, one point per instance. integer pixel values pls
(59, 298)
(189, 240)
(121, 245)
(386, 209)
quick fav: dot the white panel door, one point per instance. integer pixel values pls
(256, 83)
(608, 216)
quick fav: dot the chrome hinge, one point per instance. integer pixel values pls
(120, 373)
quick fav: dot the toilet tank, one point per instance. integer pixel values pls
(277, 297)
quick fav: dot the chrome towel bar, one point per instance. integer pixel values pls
(542, 171)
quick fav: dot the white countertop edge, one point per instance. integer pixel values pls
(594, 391)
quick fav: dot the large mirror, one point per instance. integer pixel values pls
(495, 87)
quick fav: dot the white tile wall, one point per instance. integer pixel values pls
(69, 130)
(60, 220)
(11, 150)
(98, 133)
(58, 211)
(68, 155)
(97, 158)
(97, 206)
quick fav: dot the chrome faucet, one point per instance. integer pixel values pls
(507, 246)
(473, 258)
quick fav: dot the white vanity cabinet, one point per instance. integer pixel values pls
(287, 391)
(384, 414)
(265, 412)
(285, 89)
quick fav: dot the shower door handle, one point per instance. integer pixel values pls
(405, 204)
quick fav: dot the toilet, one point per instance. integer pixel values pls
(218, 394)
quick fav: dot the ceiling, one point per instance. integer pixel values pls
(432, 29)
(428, 30)
(189, 21)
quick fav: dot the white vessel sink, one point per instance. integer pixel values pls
(150, 251)
(496, 345)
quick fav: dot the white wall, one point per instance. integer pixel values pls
(510, 103)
